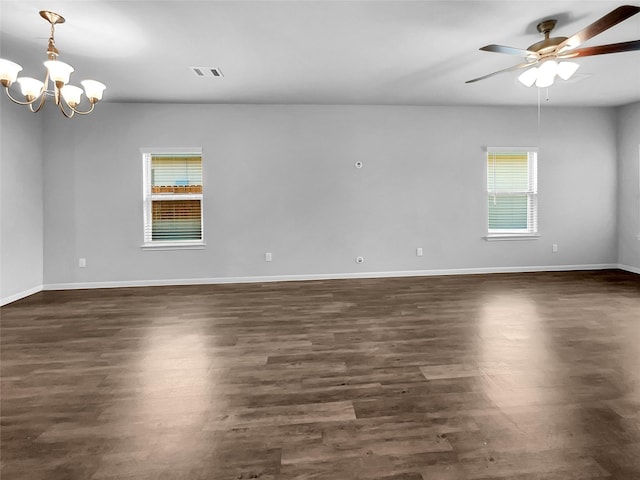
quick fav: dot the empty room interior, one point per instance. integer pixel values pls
(278, 240)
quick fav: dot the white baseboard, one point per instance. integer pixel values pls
(629, 268)
(326, 276)
(19, 295)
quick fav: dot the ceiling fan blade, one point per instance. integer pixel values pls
(609, 20)
(510, 69)
(508, 50)
(602, 49)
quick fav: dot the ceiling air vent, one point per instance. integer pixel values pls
(206, 71)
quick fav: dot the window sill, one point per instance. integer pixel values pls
(173, 246)
(511, 236)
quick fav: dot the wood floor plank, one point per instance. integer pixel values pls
(510, 376)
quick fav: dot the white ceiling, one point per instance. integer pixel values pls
(318, 52)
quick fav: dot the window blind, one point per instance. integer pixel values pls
(173, 193)
(171, 174)
(176, 220)
(512, 203)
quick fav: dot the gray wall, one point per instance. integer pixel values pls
(628, 186)
(21, 243)
(282, 179)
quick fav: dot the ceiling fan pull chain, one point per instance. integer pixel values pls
(538, 110)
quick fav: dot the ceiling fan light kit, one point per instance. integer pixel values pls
(545, 60)
(67, 97)
(545, 75)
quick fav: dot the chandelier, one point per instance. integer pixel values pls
(67, 97)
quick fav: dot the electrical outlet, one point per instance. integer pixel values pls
(419, 252)
(267, 257)
(554, 248)
(82, 262)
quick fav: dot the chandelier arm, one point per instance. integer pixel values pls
(79, 112)
(43, 98)
(15, 100)
(68, 115)
(43, 95)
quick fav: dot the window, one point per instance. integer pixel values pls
(173, 198)
(512, 193)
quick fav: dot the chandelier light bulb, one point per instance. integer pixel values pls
(59, 72)
(30, 87)
(93, 90)
(71, 95)
(8, 72)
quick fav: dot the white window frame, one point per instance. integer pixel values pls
(149, 196)
(532, 195)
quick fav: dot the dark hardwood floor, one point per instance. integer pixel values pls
(509, 376)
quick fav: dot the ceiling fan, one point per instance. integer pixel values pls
(546, 56)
